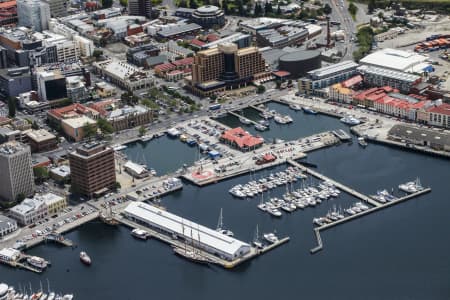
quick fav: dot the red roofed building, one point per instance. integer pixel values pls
(8, 13)
(368, 97)
(184, 63)
(71, 111)
(162, 69)
(103, 107)
(439, 115)
(197, 44)
(241, 139)
(352, 81)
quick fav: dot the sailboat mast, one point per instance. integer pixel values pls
(220, 221)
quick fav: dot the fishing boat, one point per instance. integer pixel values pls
(308, 110)
(37, 262)
(220, 228)
(139, 234)
(85, 259)
(362, 142)
(295, 107)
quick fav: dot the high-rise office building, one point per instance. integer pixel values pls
(16, 176)
(224, 67)
(140, 8)
(33, 14)
(58, 8)
(92, 169)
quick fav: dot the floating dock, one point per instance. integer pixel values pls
(358, 215)
(339, 185)
(342, 135)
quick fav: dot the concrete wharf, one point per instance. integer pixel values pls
(59, 239)
(317, 108)
(210, 257)
(363, 213)
(337, 184)
(342, 135)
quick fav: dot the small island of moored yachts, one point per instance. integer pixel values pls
(26, 293)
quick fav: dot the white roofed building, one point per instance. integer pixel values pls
(136, 170)
(398, 60)
(208, 239)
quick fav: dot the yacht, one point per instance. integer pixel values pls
(274, 212)
(85, 258)
(264, 122)
(265, 115)
(146, 138)
(270, 237)
(350, 120)
(220, 228)
(411, 186)
(295, 107)
(245, 121)
(256, 241)
(191, 255)
(139, 234)
(308, 110)
(279, 119)
(260, 127)
(37, 262)
(119, 147)
(288, 119)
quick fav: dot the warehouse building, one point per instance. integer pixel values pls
(207, 239)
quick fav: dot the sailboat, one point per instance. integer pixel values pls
(191, 254)
(256, 240)
(220, 228)
(107, 216)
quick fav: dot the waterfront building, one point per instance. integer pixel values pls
(420, 136)
(136, 170)
(92, 169)
(129, 117)
(74, 127)
(318, 79)
(226, 67)
(9, 254)
(30, 211)
(41, 140)
(439, 115)
(241, 139)
(374, 76)
(343, 92)
(204, 238)
(17, 175)
(54, 203)
(7, 226)
(398, 60)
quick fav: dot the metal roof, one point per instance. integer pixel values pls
(185, 228)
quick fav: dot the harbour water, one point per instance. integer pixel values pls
(398, 253)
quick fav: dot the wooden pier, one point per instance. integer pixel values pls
(337, 184)
(363, 213)
(254, 252)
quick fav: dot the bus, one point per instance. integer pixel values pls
(215, 106)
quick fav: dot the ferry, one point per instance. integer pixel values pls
(350, 120)
(308, 110)
(85, 259)
(37, 262)
(140, 234)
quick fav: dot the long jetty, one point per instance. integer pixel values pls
(213, 259)
(241, 116)
(339, 185)
(317, 230)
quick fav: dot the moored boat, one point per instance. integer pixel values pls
(85, 258)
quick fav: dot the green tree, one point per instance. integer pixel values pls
(129, 99)
(327, 9)
(278, 83)
(182, 3)
(260, 89)
(34, 125)
(11, 107)
(107, 3)
(352, 9)
(40, 174)
(124, 3)
(241, 10)
(371, 6)
(225, 7)
(279, 10)
(89, 130)
(193, 4)
(258, 10)
(20, 197)
(380, 15)
(117, 186)
(150, 104)
(268, 8)
(105, 126)
(97, 53)
(142, 130)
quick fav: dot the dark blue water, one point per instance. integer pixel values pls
(397, 253)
